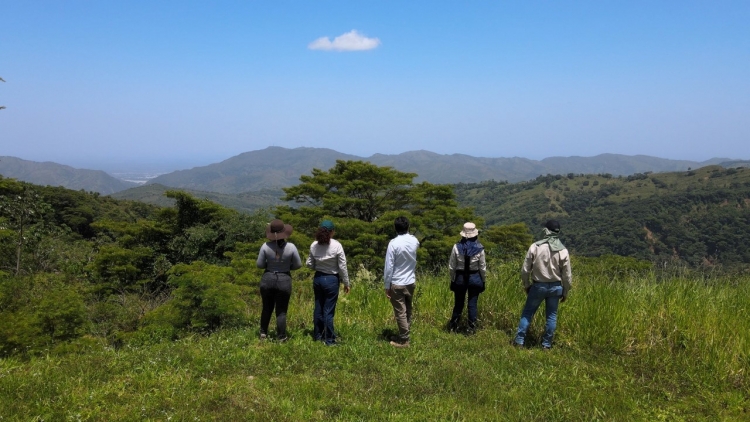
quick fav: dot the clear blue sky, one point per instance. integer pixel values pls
(105, 84)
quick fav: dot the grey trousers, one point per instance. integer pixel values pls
(401, 299)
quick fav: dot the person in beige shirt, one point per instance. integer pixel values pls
(546, 277)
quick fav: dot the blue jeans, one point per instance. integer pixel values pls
(550, 293)
(326, 288)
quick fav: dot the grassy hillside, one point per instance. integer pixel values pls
(631, 347)
(701, 217)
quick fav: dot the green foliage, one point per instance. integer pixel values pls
(364, 200)
(507, 242)
(38, 312)
(205, 298)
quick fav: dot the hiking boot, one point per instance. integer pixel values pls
(400, 344)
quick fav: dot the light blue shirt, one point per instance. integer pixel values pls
(401, 261)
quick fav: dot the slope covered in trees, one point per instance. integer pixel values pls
(698, 217)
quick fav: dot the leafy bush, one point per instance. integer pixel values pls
(205, 298)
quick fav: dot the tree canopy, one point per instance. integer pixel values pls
(363, 200)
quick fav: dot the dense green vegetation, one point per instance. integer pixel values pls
(118, 310)
(248, 202)
(699, 218)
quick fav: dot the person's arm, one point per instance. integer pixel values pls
(343, 272)
(482, 266)
(388, 270)
(261, 263)
(567, 275)
(453, 262)
(528, 266)
(310, 263)
(296, 261)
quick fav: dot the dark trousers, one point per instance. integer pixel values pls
(460, 293)
(275, 291)
(326, 289)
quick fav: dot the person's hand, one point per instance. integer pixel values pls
(347, 289)
(526, 289)
(562, 299)
(388, 293)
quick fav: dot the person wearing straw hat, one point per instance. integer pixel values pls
(328, 260)
(468, 267)
(278, 257)
(547, 278)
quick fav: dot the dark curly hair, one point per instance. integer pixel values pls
(323, 236)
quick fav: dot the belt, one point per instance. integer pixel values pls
(322, 274)
(546, 282)
(279, 272)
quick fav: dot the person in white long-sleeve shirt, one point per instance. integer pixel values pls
(399, 277)
(328, 260)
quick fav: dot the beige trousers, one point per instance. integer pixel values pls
(401, 299)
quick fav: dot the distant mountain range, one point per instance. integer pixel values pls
(54, 174)
(274, 168)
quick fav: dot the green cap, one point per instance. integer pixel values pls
(327, 224)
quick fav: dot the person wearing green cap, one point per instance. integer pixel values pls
(328, 260)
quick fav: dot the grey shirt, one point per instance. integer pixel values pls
(273, 258)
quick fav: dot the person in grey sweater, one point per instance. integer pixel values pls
(278, 257)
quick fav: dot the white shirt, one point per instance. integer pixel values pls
(401, 261)
(329, 259)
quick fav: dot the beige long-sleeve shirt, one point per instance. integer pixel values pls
(329, 259)
(476, 263)
(544, 266)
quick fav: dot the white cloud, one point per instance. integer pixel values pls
(351, 41)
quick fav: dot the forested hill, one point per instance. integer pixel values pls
(53, 174)
(701, 217)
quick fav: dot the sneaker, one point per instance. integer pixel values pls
(517, 345)
(394, 338)
(282, 339)
(400, 344)
(546, 348)
(263, 336)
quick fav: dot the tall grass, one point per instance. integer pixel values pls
(628, 347)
